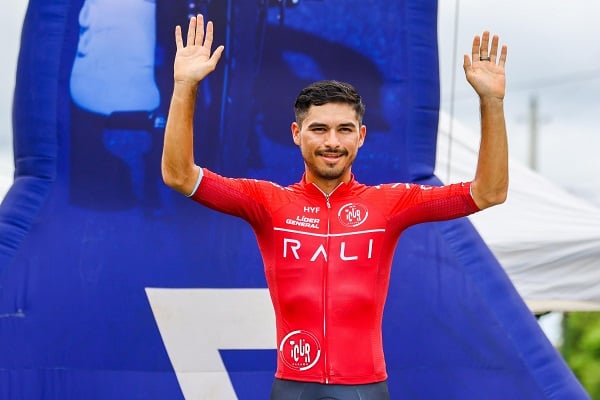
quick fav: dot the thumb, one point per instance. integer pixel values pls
(466, 62)
(216, 56)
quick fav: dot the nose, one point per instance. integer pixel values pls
(331, 139)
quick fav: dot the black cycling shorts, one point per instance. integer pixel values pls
(294, 390)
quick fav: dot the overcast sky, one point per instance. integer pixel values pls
(11, 17)
(553, 56)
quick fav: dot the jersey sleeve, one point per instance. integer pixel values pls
(423, 203)
(244, 198)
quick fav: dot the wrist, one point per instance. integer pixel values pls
(185, 83)
(491, 100)
(184, 90)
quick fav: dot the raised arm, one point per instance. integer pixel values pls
(484, 70)
(193, 62)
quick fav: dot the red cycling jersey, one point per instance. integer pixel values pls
(327, 261)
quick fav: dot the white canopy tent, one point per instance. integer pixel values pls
(546, 239)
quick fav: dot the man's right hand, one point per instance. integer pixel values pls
(194, 61)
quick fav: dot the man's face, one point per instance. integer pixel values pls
(329, 139)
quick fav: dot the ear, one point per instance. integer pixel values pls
(362, 134)
(296, 133)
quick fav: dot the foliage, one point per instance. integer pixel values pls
(581, 348)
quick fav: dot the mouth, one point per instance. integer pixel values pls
(331, 155)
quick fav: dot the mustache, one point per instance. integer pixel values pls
(329, 151)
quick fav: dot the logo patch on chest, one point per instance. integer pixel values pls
(352, 214)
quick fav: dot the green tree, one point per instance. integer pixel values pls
(581, 348)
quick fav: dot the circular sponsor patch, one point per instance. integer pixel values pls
(300, 350)
(353, 214)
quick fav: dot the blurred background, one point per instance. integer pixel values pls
(552, 109)
(552, 114)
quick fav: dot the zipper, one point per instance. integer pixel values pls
(325, 281)
(327, 196)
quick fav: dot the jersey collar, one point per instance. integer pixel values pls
(341, 189)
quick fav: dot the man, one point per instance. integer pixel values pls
(327, 242)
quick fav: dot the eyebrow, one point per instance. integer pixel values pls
(323, 125)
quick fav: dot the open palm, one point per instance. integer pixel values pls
(194, 61)
(485, 69)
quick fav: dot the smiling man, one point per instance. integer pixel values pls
(329, 134)
(327, 242)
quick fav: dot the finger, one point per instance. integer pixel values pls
(208, 40)
(485, 41)
(466, 62)
(178, 38)
(494, 49)
(191, 32)
(503, 54)
(216, 56)
(475, 48)
(199, 30)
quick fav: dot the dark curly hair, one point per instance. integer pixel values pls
(328, 91)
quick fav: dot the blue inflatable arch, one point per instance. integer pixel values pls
(93, 247)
